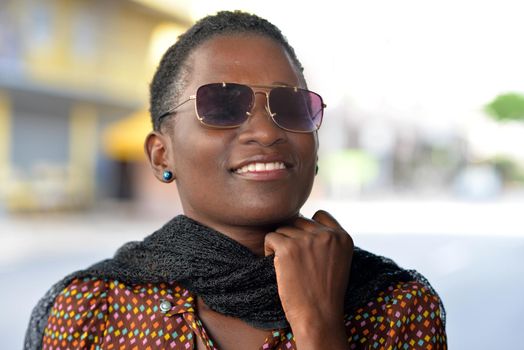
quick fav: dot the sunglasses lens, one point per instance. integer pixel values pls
(223, 105)
(296, 109)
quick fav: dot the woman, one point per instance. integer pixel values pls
(235, 129)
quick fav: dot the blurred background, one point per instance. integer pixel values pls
(421, 149)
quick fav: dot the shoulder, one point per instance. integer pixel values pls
(80, 298)
(90, 311)
(412, 299)
(405, 314)
(77, 313)
(406, 291)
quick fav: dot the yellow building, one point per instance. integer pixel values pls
(69, 69)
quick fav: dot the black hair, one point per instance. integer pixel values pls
(171, 75)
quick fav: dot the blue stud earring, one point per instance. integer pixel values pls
(167, 175)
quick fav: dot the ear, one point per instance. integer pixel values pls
(157, 149)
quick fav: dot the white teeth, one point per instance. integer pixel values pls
(256, 167)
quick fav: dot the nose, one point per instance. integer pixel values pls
(260, 127)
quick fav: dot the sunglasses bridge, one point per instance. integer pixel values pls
(266, 93)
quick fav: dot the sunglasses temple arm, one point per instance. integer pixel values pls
(171, 110)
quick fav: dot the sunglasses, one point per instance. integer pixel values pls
(228, 105)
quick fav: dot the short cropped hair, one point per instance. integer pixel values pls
(171, 75)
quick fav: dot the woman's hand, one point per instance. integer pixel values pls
(312, 263)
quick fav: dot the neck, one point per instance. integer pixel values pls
(251, 237)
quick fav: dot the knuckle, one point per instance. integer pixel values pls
(306, 241)
(348, 240)
(343, 239)
(269, 237)
(326, 237)
(288, 249)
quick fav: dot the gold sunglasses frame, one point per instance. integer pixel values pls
(268, 109)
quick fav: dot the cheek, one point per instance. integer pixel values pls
(197, 155)
(307, 146)
(196, 172)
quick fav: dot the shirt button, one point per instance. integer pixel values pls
(165, 306)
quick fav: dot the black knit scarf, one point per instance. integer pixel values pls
(226, 275)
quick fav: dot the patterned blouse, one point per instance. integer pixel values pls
(97, 314)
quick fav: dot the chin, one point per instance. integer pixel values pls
(266, 216)
(268, 209)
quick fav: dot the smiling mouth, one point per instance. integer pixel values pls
(259, 167)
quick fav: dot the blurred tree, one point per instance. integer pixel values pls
(509, 169)
(508, 106)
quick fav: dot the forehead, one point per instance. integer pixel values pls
(247, 58)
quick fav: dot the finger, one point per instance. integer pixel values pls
(324, 218)
(272, 241)
(305, 224)
(321, 219)
(290, 231)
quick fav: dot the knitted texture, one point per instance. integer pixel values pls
(226, 275)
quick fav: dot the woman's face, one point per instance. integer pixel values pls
(205, 160)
